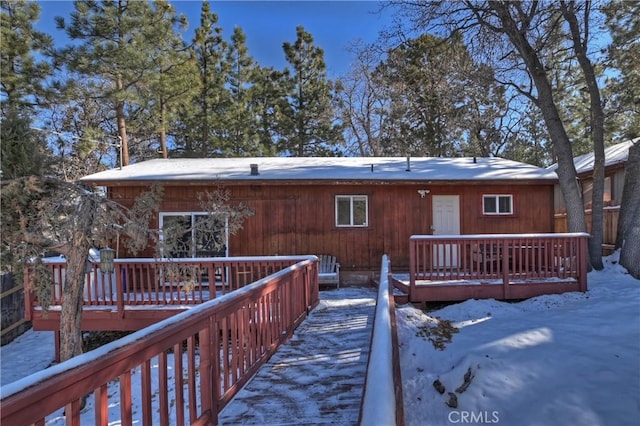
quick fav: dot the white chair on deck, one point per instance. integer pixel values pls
(329, 270)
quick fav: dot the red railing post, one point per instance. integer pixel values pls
(209, 394)
(412, 266)
(582, 262)
(503, 260)
(119, 289)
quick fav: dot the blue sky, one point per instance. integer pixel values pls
(268, 24)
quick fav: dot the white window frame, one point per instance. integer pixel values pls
(193, 215)
(496, 198)
(351, 199)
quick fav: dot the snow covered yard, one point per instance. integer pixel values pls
(571, 359)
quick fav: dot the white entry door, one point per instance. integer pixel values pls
(446, 221)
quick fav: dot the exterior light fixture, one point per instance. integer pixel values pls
(423, 192)
(106, 260)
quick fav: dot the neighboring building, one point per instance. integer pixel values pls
(355, 208)
(615, 160)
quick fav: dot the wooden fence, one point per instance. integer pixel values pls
(12, 308)
(214, 349)
(610, 225)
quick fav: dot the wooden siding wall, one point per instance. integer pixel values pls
(300, 219)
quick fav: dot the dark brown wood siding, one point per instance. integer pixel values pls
(300, 219)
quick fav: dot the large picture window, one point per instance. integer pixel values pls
(193, 235)
(497, 204)
(352, 210)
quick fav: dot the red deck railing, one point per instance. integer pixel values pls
(189, 366)
(519, 262)
(162, 282)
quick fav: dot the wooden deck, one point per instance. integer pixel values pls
(506, 266)
(217, 346)
(141, 292)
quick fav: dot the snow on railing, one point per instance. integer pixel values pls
(182, 370)
(382, 400)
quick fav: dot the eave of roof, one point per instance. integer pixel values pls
(614, 155)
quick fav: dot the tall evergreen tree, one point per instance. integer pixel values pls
(440, 101)
(268, 97)
(174, 78)
(23, 82)
(24, 151)
(623, 22)
(23, 76)
(201, 124)
(308, 126)
(114, 43)
(241, 123)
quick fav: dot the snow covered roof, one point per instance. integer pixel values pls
(615, 154)
(324, 169)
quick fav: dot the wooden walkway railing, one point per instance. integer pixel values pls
(382, 401)
(459, 267)
(141, 292)
(189, 366)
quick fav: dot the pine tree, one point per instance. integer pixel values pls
(241, 125)
(268, 97)
(23, 76)
(24, 151)
(308, 125)
(173, 81)
(440, 101)
(623, 22)
(201, 125)
(113, 43)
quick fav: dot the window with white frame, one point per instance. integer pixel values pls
(194, 234)
(352, 210)
(497, 204)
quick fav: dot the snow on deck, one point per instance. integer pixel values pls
(404, 279)
(318, 375)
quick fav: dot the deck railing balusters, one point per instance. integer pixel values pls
(513, 260)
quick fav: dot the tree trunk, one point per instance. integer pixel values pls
(597, 130)
(631, 249)
(628, 235)
(122, 127)
(71, 315)
(566, 169)
(163, 130)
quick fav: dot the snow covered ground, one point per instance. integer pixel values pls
(571, 359)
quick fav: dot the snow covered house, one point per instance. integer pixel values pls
(354, 208)
(615, 160)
